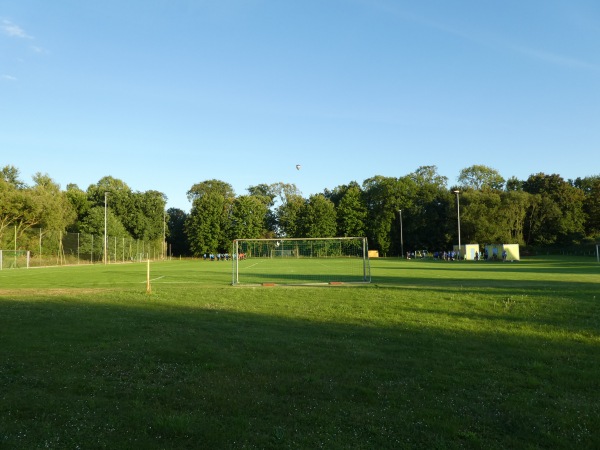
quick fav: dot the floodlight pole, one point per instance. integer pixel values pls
(458, 215)
(401, 234)
(105, 227)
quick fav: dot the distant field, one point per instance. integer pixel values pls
(430, 354)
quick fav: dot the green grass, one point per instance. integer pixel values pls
(429, 355)
(302, 270)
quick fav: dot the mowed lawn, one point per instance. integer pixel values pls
(430, 354)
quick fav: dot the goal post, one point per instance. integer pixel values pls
(301, 261)
(13, 259)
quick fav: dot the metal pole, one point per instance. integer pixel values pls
(458, 215)
(401, 234)
(104, 256)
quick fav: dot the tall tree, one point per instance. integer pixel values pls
(93, 223)
(384, 196)
(176, 238)
(41, 206)
(480, 217)
(514, 184)
(56, 212)
(561, 209)
(222, 188)
(205, 225)
(479, 177)
(9, 208)
(289, 216)
(319, 217)
(10, 174)
(590, 186)
(146, 217)
(268, 194)
(542, 217)
(351, 212)
(80, 204)
(248, 217)
(514, 207)
(116, 196)
(425, 215)
(428, 175)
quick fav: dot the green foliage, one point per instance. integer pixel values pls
(289, 215)
(542, 210)
(147, 213)
(222, 188)
(94, 221)
(176, 237)
(591, 206)
(513, 216)
(557, 214)
(428, 176)
(22, 208)
(80, 203)
(318, 217)
(480, 177)
(351, 213)
(10, 175)
(383, 196)
(425, 210)
(248, 217)
(481, 217)
(206, 222)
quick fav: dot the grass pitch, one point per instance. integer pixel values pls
(429, 355)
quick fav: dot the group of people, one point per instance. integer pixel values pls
(454, 256)
(216, 256)
(447, 256)
(221, 256)
(484, 256)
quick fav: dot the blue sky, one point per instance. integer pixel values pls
(163, 94)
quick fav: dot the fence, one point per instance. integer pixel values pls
(51, 248)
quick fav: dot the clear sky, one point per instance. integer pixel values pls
(163, 94)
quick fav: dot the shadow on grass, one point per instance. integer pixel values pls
(148, 374)
(427, 279)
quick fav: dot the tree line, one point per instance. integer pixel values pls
(415, 211)
(109, 205)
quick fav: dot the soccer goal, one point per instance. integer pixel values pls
(288, 261)
(13, 259)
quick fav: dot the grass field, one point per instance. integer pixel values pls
(302, 270)
(429, 355)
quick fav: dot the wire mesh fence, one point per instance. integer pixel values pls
(51, 248)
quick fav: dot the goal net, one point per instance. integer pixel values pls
(301, 261)
(13, 259)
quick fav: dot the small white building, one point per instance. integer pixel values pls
(468, 251)
(495, 252)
